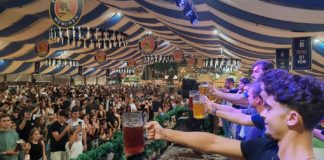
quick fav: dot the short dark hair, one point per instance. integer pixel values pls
(274, 79)
(265, 64)
(306, 96)
(64, 113)
(75, 109)
(245, 80)
(4, 115)
(301, 93)
(256, 89)
(230, 80)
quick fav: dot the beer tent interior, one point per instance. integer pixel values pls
(246, 30)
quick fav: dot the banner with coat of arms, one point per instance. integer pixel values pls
(131, 63)
(66, 13)
(148, 44)
(178, 56)
(100, 57)
(191, 62)
(42, 48)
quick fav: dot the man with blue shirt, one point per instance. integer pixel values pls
(243, 116)
(258, 68)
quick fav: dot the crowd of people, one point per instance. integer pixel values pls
(64, 121)
(272, 116)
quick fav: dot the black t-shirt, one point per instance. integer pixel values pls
(24, 133)
(58, 145)
(258, 121)
(36, 151)
(156, 105)
(260, 149)
(111, 118)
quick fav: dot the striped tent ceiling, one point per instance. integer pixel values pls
(247, 30)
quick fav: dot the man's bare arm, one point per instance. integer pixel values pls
(200, 141)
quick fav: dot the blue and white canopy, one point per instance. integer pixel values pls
(247, 30)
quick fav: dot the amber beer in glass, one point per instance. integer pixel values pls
(203, 88)
(133, 132)
(198, 107)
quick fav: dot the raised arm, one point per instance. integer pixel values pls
(233, 98)
(217, 106)
(238, 118)
(201, 141)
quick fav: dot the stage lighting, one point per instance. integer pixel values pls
(180, 3)
(187, 10)
(193, 18)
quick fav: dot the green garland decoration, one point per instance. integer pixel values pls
(116, 145)
(167, 116)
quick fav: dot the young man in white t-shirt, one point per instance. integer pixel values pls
(75, 146)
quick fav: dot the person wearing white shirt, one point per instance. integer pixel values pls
(76, 122)
(74, 147)
(132, 105)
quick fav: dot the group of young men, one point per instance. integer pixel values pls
(288, 108)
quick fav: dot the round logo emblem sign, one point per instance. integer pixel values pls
(100, 57)
(42, 48)
(191, 62)
(147, 44)
(131, 63)
(66, 13)
(178, 56)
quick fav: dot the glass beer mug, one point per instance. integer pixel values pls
(133, 132)
(199, 110)
(204, 88)
(192, 94)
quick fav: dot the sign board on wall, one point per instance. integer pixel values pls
(302, 53)
(282, 59)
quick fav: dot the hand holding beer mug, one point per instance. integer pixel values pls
(133, 132)
(199, 111)
(207, 103)
(214, 90)
(19, 145)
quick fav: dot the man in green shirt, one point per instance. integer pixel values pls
(8, 139)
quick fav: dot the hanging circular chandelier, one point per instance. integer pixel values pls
(89, 37)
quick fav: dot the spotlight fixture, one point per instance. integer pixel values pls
(194, 18)
(189, 10)
(180, 3)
